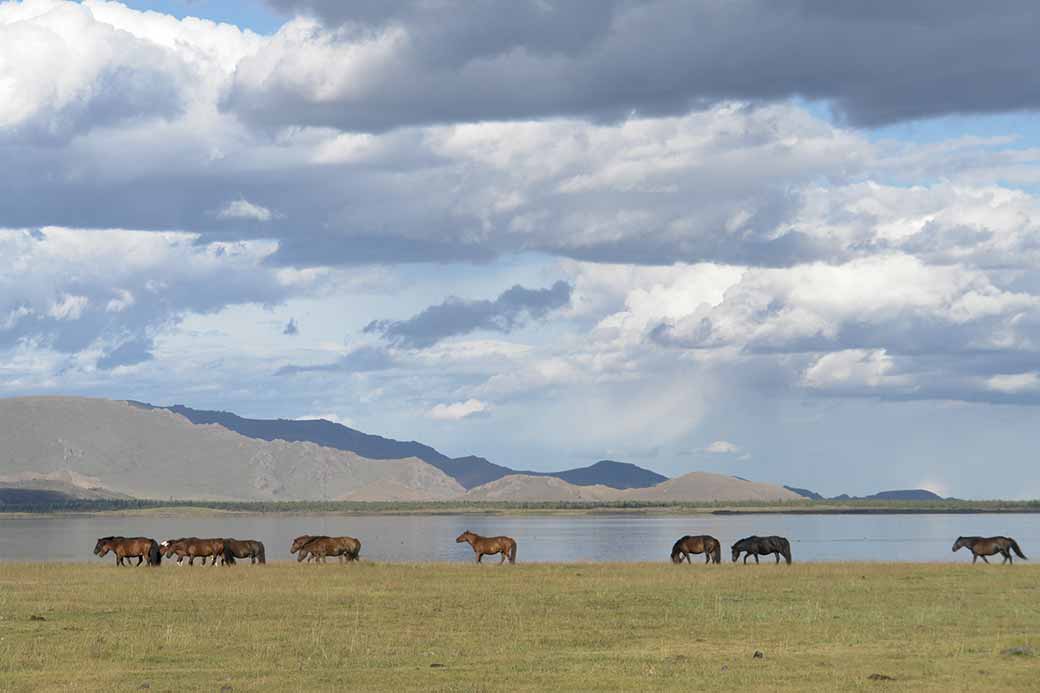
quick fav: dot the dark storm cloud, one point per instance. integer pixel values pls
(457, 316)
(465, 62)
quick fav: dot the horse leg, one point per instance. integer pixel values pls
(746, 556)
(139, 558)
(986, 560)
(974, 558)
(777, 558)
(479, 556)
(503, 558)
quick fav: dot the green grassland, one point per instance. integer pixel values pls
(536, 627)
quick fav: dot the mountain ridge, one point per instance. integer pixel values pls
(470, 470)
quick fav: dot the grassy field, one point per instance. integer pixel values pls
(440, 627)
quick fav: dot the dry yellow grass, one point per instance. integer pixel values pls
(527, 627)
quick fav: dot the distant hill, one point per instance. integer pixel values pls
(619, 475)
(805, 493)
(692, 487)
(470, 471)
(915, 494)
(704, 486)
(103, 448)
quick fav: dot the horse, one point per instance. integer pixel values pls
(301, 541)
(126, 548)
(489, 546)
(987, 546)
(708, 545)
(248, 548)
(192, 548)
(762, 546)
(319, 547)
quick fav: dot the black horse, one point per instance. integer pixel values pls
(762, 546)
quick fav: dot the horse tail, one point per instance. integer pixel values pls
(716, 555)
(512, 553)
(154, 557)
(1014, 547)
(260, 555)
(786, 546)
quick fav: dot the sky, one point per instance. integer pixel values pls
(794, 242)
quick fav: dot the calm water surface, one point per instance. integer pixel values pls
(541, 538)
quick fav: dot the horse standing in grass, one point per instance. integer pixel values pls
(489, 546)
(708, 545)
(319, 548)
(981, 547)
(298, 544)
(141, 548)
(762, 546)
(192, 548)
(248, 548)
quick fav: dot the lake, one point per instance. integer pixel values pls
(548, 538)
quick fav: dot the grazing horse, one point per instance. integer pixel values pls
(762, 546)
(319, 547)
(192, 548)
(489, 546)
(141, 548)
(987, 546)
(248, 548)
(708, 545)
(301, 541)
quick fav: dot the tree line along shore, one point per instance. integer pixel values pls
(57, 506)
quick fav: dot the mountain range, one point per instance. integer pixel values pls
(96, 448)
(911, 494)
(53, 447)
(470, 471)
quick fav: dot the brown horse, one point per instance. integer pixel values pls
(192, 548)
(489, 546)
(320, 547)
(708, 545)
(762, 546)
(248, 548)
(141, 548)
(301, 541)
(987, 546)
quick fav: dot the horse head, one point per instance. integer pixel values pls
(103, 546)
(298, 543)
(465, 536)
(960, 543)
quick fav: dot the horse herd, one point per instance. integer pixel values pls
(319, 547)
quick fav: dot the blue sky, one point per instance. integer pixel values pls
(515, 231)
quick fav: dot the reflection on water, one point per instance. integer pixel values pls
(540, 538)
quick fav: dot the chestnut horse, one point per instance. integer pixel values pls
(987, 546)
(489, 546)
(319, 547)
(140, 548)
(762, 546)
(301, 541)
(192, 548)
(248, 548)
(708, 545)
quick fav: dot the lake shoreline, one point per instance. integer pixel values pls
(547, 510)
